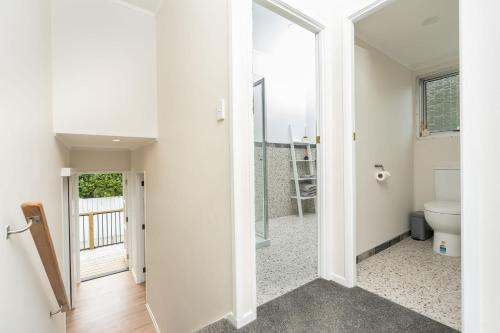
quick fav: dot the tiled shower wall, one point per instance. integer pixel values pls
(280, 186)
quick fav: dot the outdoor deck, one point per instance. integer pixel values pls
(102, 261)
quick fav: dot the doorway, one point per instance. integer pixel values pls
(285, 154)
(101, 225)
(242, 151)
(115, 265)
(403, 97)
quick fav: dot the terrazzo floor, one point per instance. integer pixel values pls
(292, 258)
(411, 274)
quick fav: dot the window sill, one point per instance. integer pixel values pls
(444, 135)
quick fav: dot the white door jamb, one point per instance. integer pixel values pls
(242, 152)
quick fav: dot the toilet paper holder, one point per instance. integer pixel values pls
(381, 175)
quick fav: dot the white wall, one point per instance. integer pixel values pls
(384, 135)
(32, 161)
(100, 160)
(480, 114)
(441, 150)
(284, 56)
(429, 153)
(104, 58)
(188, 212)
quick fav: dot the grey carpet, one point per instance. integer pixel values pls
(324, 306)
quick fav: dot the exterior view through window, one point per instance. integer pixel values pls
(440, 104)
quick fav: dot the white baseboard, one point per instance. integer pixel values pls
(138, 278)
(246, 319)
(339, 279)
(227, 316)
(153, 319)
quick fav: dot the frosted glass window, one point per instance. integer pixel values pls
(440, 107)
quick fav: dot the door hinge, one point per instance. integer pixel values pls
(318, 139)
(144, 269)
(143, 227)
(126, 219)
(128, 256)
(142, 183)
(353, 136)
(126, 181)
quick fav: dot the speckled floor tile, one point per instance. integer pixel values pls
(292, 258)
(411, 274)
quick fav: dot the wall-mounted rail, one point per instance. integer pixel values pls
(37, 225)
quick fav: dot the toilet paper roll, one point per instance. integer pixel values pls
(382, 175)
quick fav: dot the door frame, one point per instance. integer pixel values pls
(262, 82)
(244, 308)
(74, 219)
(67, 232)
(137, 212)
(469, 318)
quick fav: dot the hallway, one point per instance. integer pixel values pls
(113, 303)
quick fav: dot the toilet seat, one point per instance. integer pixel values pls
(443, 207)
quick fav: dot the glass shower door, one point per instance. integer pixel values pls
(259, 116)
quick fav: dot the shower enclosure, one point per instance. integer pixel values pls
(259, 117)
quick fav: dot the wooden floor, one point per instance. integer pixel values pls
(114, 303)
(102, 261)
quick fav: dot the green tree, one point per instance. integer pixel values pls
(100, 185)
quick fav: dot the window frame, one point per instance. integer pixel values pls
(423, 132)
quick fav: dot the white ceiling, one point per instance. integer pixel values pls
(151, 6)
(417, 33)
(72, 141)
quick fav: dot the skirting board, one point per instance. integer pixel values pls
(137, 279)
(239, 323)
(153, 319)
(339, 279)
(381, 247)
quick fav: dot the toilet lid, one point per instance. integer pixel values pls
(443, 207)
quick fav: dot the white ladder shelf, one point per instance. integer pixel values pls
(297, 179)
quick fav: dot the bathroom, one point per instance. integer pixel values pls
(285, 154)
(407, 138)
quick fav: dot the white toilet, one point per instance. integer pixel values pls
(443, 214)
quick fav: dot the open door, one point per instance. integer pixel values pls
(136, 225)
(141, 246)
(66, 228)
(70, 259)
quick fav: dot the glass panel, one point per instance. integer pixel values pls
(441, 102)
(261, 228)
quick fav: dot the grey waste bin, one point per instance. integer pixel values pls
(420, 230)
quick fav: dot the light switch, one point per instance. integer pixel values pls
(221, 109)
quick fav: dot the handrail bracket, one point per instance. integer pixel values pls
(31, 220)
(58, 311)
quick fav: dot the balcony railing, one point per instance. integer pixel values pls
(101, 228)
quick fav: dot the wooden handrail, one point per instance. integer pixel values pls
(102, 212)
(43, 242)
